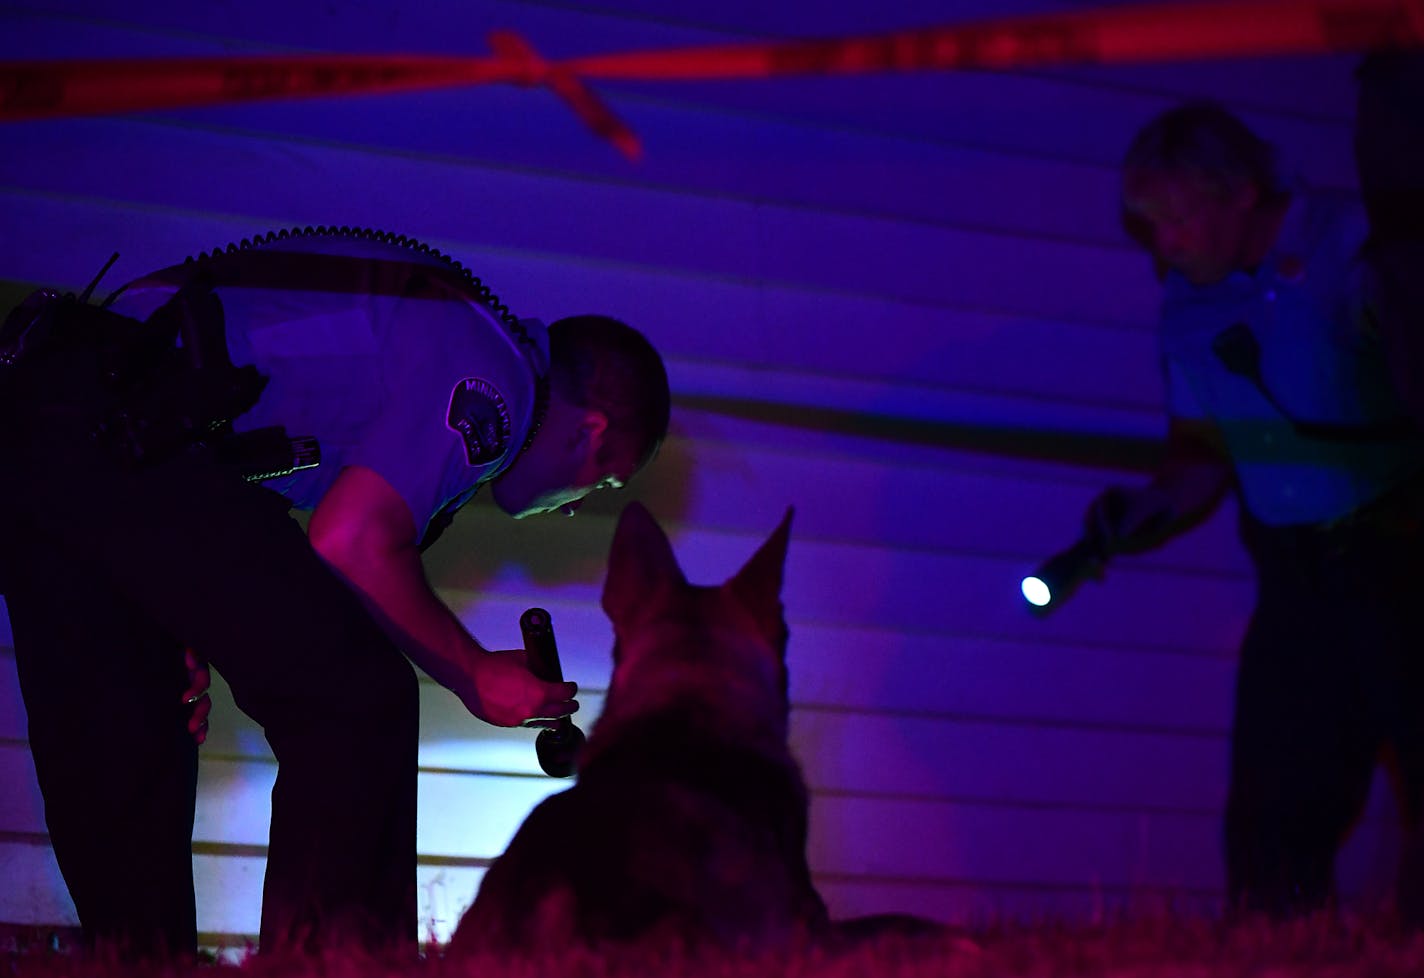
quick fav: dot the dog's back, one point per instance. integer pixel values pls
(688, 820)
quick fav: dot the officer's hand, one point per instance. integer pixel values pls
(507, 694)
(1123, 518)
(196, 695)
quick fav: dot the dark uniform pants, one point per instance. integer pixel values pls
(1331, 679)
(109, 571)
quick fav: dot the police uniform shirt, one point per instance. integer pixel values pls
(381, 352)
(1319, 360)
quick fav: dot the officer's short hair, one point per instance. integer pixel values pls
(1201, 138)
(601, 363)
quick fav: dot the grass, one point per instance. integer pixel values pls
(1163, 947)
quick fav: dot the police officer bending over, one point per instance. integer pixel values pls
(153, 452)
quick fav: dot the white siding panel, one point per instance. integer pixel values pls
(177, 168)
(980, 904)
(920, 757)
(941, 754)
(971, 509)
(229, 891)
(1000, 844)
(776, 161)
(880, 674)
(34, 892)
(12, 704)
(230, 897)
(970, 843)
(1020, 417)
(21, 807)
(620, 25)
(814, 328)
(1032, 115)
(929, 757)
(461, 815)
(910, 673)
(470, 816)
(852, 584)
(898, 260)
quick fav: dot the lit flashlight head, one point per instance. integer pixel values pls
(1060, 575)
(1036, 591)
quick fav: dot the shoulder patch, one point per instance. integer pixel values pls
(478, 414)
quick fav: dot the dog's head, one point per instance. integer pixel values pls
(728, 642)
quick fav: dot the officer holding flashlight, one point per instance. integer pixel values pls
(1278, 393)
(145, 511)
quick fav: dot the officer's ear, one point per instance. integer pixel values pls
(588, 432)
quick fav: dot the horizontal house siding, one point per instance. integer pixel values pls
(900, 304)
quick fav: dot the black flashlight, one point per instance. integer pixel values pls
(557, 746)
(1060, 575)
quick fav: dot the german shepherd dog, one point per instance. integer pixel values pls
(687, 824)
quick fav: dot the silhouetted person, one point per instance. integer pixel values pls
(1278, 393)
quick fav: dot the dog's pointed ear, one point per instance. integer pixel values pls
(757, 586)
(639, 562)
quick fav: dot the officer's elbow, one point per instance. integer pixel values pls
(360, 520)
(351, 542)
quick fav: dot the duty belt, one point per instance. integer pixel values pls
(164, 398)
